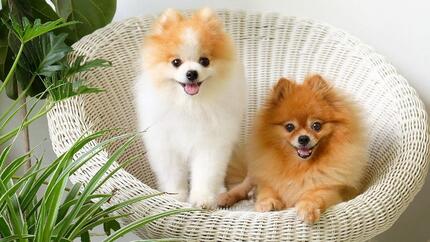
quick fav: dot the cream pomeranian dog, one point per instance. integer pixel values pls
(190, 98)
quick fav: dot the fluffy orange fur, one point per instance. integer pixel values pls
(334, 171)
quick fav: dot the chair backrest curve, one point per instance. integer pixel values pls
(270, 46)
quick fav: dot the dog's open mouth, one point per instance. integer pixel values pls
(304, 152)
(191, 88)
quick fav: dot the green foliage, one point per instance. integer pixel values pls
(33, 18)
(26, 31)
(59, 214)
(44, 61)
(91, 14)
(61, 89)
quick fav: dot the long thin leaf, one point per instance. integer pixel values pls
(30, 183)
(3, 156)
(62, 211)
(4, 228)
(6, 193)
(16, 238)
(97, 222)
(12, 168)
(142, 222)
(126, 203)
(17, 226)
(83, 220)
(89, 188)
(4, 138)
(12, 69)
(64, 208)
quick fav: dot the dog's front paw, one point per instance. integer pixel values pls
(268, 204)
(203, 200)
(308, 211)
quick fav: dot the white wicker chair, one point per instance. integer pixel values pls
(270, 46)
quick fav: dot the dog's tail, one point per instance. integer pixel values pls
(237, 168)
(237, 180)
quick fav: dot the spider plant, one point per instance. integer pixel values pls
(38, 205)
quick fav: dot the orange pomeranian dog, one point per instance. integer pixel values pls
(308, 150)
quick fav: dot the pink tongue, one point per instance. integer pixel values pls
(304, 151)
(191, 89)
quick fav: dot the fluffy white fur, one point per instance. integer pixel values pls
(189, 139)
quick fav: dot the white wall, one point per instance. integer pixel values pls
(400, 30)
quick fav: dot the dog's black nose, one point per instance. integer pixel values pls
(304, 139)
(192, 75)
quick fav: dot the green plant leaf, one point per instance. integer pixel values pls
(43, 56)
(53, 49)
(64, 208)
(14, 213)
(92, 184)
(12, 168)
(85, 237)
(12, 89)
(4, 49)
(10, 134)
(4, 228)
(99, 221)
(144, 221)
(17, 9)
(83, 219)
(61, 88)
(79, 65)
(36, 51)
(13, 189)
(32, 9)
(111, 225)
(126, 203)
(4, 155)
(29, 186)
(14, 238)
(41, 10)
(91, 14)
(62, 211)
(32, 190)
(26, 30)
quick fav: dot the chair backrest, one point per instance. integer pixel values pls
(270, 46)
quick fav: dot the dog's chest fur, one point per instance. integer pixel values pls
(187, 123)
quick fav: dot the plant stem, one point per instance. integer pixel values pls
(12, 69)
(25, 132)
(44, 183)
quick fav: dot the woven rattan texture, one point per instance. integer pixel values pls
(270, 46)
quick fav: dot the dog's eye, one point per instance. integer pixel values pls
(316, 126)
(289, 127)
(204, 61)
(176, 62)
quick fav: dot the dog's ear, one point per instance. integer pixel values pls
(166, 19)
(317, 84)
(208, 16)
(282, 88)
(205, 14)
(320, 86)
